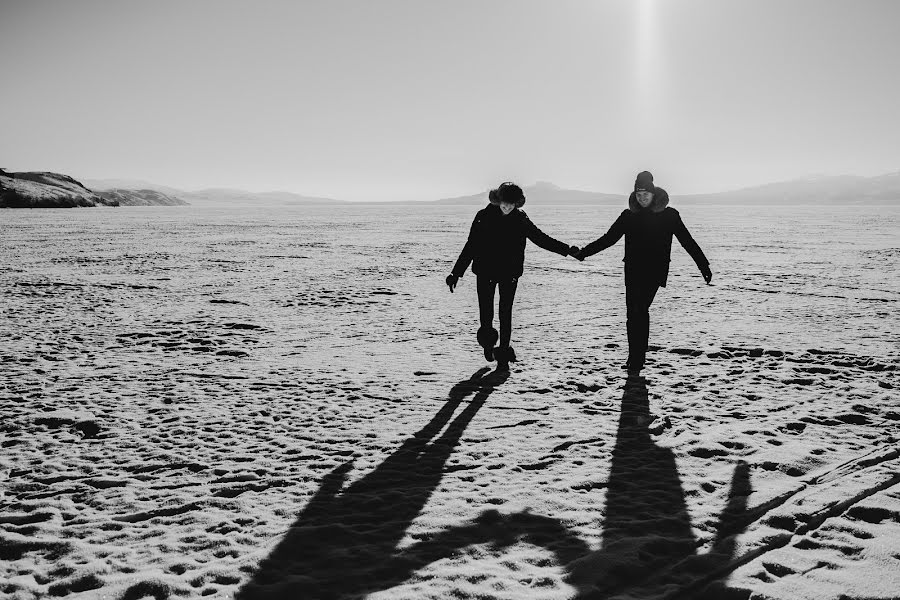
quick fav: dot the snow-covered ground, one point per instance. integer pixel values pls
(287, 402)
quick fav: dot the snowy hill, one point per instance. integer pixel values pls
(46, 190)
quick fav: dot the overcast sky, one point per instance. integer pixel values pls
(418, 99)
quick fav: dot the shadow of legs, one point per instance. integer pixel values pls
(345, 540)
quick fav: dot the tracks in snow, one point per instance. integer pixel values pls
(822, 488)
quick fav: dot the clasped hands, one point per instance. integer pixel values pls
(576, 253)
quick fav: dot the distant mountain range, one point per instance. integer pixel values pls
(43, 189)
(844, 189)
(224, 196)
(839, 189)
(143, 197)
(544, 192)
(210, 196)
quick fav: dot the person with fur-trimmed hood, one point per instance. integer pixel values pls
(496, 250)
(648, 226)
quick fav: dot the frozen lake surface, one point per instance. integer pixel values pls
(194, 400)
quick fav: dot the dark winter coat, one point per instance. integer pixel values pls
(648, 239)
(496, 244)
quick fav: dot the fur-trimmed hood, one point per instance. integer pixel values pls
(507, 192)
(658, 204)
(495, 200)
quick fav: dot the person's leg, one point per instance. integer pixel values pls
(648, 293)
(487, 335)
(631, 319)
(507, 297)
(504, 353)
(639, 295)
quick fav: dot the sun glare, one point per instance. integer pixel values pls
(646, 40)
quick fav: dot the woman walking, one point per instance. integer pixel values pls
(496, 250)
(648, 226)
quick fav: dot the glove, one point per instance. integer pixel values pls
(451, 281)
(707, 273)
(573, 250)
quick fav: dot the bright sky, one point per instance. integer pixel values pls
(421, 99)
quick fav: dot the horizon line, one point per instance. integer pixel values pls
(534, 184)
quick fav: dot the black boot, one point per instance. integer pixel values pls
(504, 357)
(487, 337)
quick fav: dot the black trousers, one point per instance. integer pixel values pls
(639, 294)
(486, 287)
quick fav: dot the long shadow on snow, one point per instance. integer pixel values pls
(648, 550)
(648, 545)
(344, 543)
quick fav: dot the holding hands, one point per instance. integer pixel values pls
(575, 252)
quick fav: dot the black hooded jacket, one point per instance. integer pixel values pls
(648, 239)
(496, 244)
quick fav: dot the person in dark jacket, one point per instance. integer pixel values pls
(496, 250)
(648, 226)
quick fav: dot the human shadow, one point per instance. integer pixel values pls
(648, 543)
(344, 542)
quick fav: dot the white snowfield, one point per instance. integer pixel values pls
(288, 403)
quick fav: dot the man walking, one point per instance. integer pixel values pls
(648, 226)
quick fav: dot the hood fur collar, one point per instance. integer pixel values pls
(658, 204)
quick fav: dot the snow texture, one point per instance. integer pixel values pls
(288, 403)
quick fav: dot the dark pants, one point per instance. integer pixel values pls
(639, 294)
(507, 287)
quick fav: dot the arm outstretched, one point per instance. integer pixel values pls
(615, 233)
(687, 242)
(543, 240)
